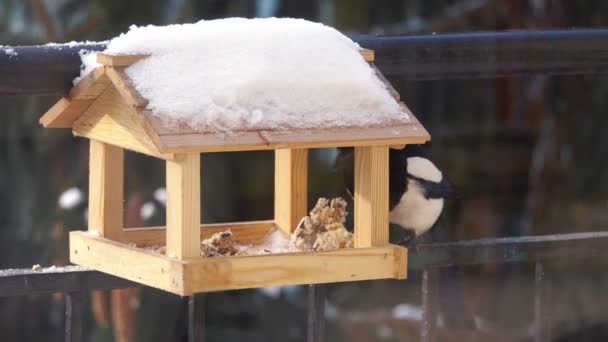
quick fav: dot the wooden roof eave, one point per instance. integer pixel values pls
(140, 136)
(73, 110)
(183, 139)
(63, 113)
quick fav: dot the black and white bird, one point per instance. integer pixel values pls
(418, 191)
(417, 188)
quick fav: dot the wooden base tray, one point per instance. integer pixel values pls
(185, 277)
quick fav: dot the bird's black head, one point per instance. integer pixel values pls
(411, 162)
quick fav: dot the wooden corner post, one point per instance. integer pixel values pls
(106, 189)
(371, 196)
(184, 206)
(290, 187)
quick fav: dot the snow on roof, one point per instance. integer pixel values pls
(245, 74)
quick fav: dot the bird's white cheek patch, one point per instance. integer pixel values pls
(416, 212)
(424, 169)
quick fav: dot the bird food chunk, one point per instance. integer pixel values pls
(219, 244)
(323, 229)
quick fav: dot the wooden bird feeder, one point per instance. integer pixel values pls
(105, 108)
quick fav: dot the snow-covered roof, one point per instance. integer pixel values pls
(234, 82)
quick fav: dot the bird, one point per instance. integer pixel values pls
(418, 189)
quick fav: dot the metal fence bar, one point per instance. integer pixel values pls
(43, 70)
(196, 318)
(21, 282)
(542, 312)
(74, 309)
(490, 54)
(316, 313)
(511, 249)
(430, 309)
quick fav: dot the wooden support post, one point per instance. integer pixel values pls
(184, 206)
(106, 189)
(371, 196)
(290, 187)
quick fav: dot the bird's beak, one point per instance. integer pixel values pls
(448, 189)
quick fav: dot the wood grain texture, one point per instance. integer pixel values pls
(64, 112)
(184, 206)
(125, 87)
(118, 60)
(90, 86)
(290, 187)
(350, 264)
(243, 232)
(399, 134)
(110, 119)
(69, 108)
(400, 262)
(106, 184)
(127, 262)
(395, 134)
(185, 277)
(367, 54)
(371, 196)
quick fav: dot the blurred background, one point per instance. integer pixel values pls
(528, 155)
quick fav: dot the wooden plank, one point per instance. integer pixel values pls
(64, 113)
(110, 119)
(159, 126)
(106, 187)
(185, 277)
(118, 60)
(367, 54)
(402, 134)
(90, 86)
(123, 84)
(184, 206)
(130, 263)
(371, 196)
(350, 264)
(398, 134)
(401, 263)
(68, 109)
(213, 142)
(244, 232)
(290, 187)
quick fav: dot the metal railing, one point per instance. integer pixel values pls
(40, 70)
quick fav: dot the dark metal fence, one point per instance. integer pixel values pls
(43, 70)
